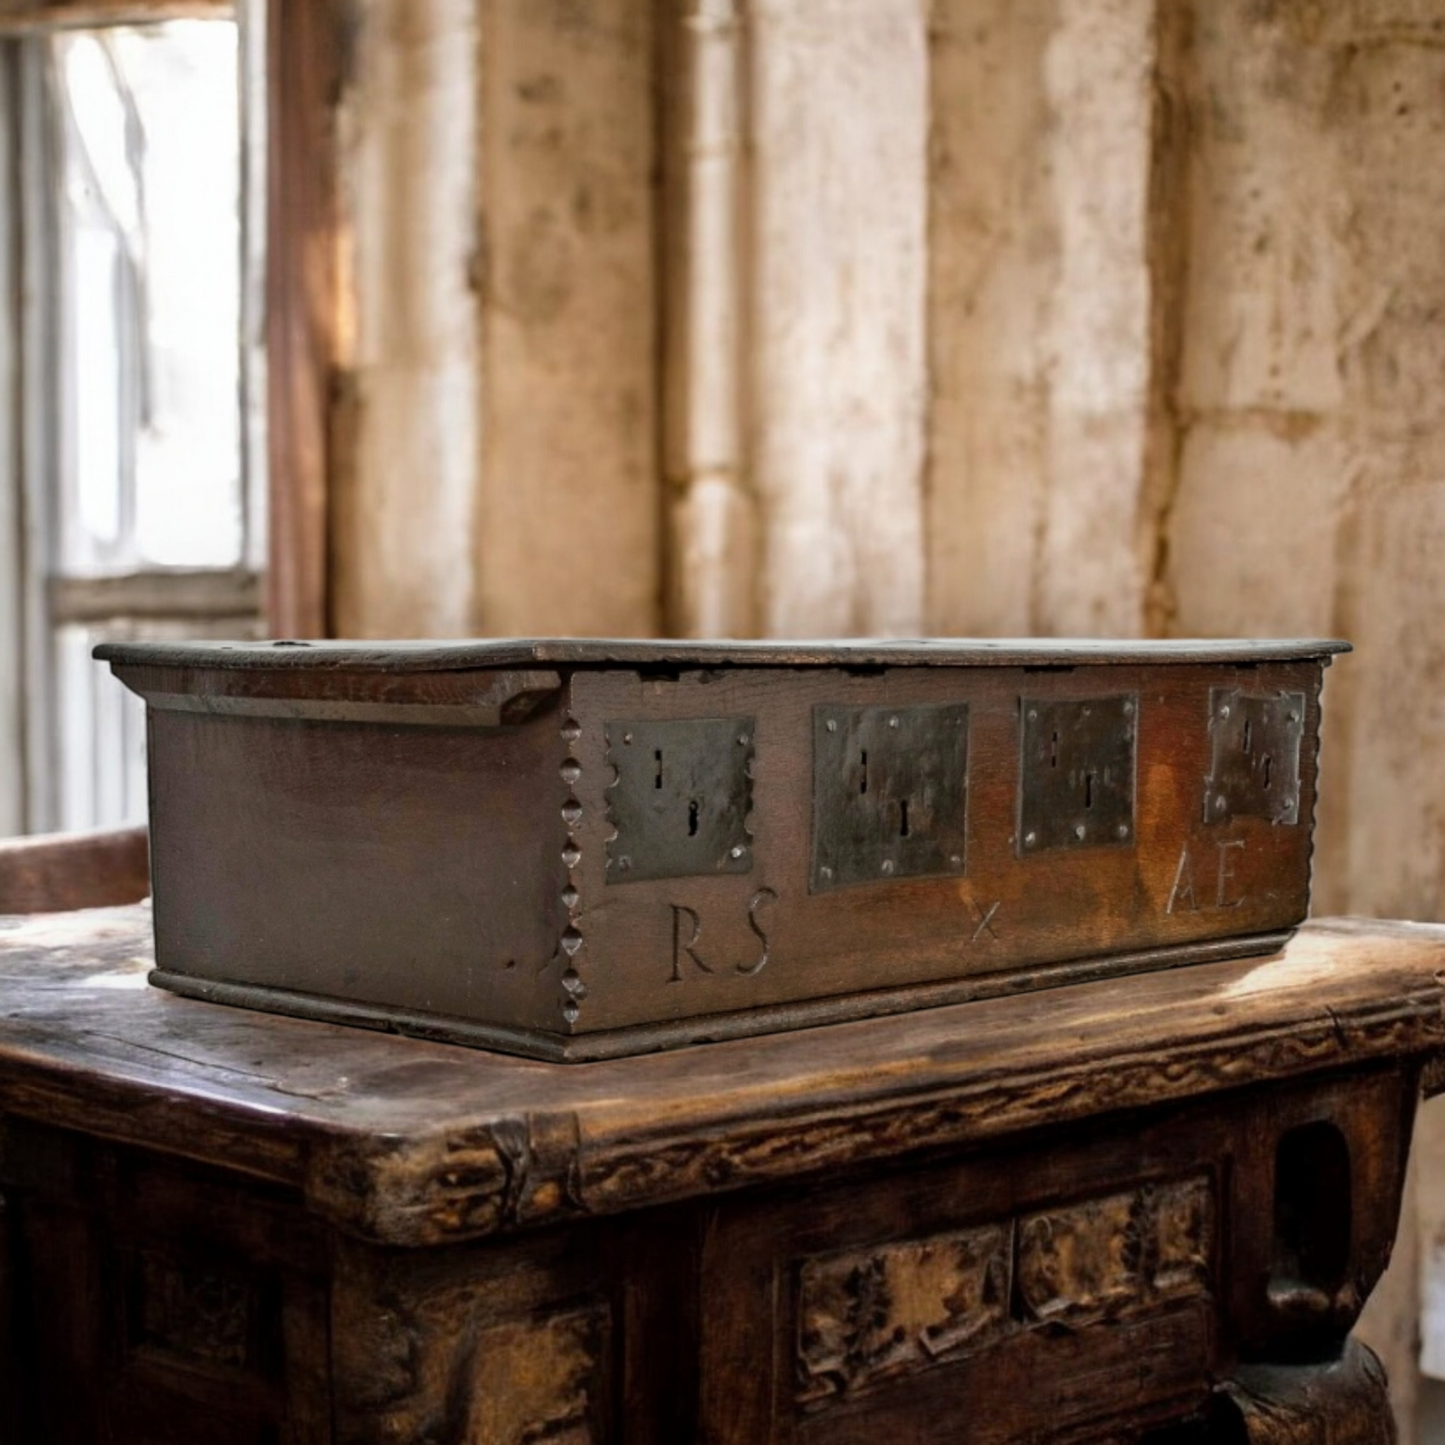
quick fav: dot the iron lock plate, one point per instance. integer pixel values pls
(682, 797)
(890, 793)
(1076, 773)
(1254, 768)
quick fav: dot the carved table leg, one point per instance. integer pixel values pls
(10, 1381)
(1338, 1402)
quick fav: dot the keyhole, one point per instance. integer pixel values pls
(863, 776)
(657, 783)
(692, 819)
(1054, 759)
(903, 830)
(1247, 726)
(1268, 768)
(1088, 790)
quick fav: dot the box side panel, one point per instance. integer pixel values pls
(1089, 830)
(414, 867)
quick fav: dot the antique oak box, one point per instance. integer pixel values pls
(579, 849)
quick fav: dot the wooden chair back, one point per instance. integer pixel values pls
(58, 872)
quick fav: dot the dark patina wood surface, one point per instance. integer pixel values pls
(581, 850)
(425, 656)
(53, 872)
(1067, 1214)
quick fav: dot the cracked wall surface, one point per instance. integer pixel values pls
(495, 432)
(1309, 492)
(1311, 448)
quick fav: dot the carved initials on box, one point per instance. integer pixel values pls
(895, 1309)
(687, 936)
(1184, 896)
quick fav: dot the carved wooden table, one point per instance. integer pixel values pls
(1091, 1213)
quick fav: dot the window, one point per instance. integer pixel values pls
(139, 513)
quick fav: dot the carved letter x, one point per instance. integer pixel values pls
(985, 922)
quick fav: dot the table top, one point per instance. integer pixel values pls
(414, 1143)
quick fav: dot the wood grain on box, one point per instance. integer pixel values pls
(576, 850)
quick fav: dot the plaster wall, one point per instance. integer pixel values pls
(494, 437)
(409, 402)
(1039, 316)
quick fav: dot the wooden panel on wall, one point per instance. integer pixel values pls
(1260, 469)
(993, 252)
(711, 522)
(568, 499)
(14, 623)
(1040, 316)
(1099, 75)
(405, 466)
(839, 132)
(307, 58)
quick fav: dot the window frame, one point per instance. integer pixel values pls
(41, 601)
(308, 61)
(28, 17)
(296, 58)
(15, 613)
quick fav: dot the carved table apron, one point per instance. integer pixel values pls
(1094, 1212)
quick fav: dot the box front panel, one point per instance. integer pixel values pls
(952, 824)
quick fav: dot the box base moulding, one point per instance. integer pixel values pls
(674, 1033)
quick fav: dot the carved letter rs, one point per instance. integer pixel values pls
(762, 896)
(688, 945)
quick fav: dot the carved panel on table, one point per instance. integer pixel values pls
(207, 1311)
(1107, 1256)
(433, 1366)
(541, 1380)
(894, 1309)
(900, 1307)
